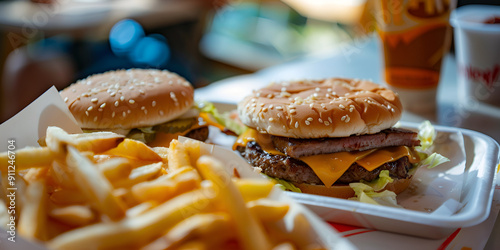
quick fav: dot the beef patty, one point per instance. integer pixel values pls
(294, 170)
(303, 147)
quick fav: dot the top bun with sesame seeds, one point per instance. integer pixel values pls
(153, 106)
(323, 135)
(126, 99)
(332, 107)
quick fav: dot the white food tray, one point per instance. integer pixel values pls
(440, 200)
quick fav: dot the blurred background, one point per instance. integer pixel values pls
(56, 42)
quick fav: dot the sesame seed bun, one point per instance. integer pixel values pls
(333, 107)
(126, 99)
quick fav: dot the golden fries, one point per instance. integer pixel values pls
(100, 191)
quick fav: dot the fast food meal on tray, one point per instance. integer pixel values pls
(101, 190)
(333, 137)
(154, 106)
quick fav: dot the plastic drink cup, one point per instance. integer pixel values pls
(477, 39)
(415, 35)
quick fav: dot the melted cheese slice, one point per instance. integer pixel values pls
(164, 139)
(330, 167)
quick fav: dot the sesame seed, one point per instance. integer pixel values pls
(308, 123)
(124, 113)
(131, 101)
(264, 110)
(112, 94)
(310, 119)
(122, 98)
(254, 105)
(261, 115)
(392, 110)
(341, 106)
(317, 89)
(143, 108)
(271, 119)
(141, 91)
(270, 96)
(161, 112)
(146, 111)
(153, 103)
(94, 100)
(131, 87)
(258, 94)
(129, 111)
(95, 118)
(271, 106)
(296, 124)
(327, 123)
(66, 99)
(87, 113)
(330, 119)
(172, 95)
(343, 118)
(279, 108)
(292, 111)
(116, 104)
(329, 90)
(261, 104)
(315, 95)
(320, 120)
(334, 93)
(283, 89)
(347, 119)
(311, 105)
(327, 95)
(103, 105)
(90, 108)
(351, 109)
(113, 114)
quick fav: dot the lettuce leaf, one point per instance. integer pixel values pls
(284, 185)
(426, 135)
(366, 194)
(380, 182)
(223, 119)
(433, 160)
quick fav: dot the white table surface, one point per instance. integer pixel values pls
(363, 60)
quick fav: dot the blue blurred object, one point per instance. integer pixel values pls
(124, 36)
(151, 51)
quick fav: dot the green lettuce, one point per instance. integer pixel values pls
(284, 185)
(366, 194)
(223, 119)
(380, 182)
(427, 135)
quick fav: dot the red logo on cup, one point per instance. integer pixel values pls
(487, 77)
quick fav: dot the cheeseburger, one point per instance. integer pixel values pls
(150, 105)
(322, 135)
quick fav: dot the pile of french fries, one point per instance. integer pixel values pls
(102, 191)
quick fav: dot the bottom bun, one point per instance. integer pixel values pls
(345, 191)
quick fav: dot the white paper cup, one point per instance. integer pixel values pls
(478, 52)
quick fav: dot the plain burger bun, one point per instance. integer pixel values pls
(126, 99)
(345, 191)
(332, 107)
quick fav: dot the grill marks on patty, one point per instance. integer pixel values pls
(303, 147)
(294, 170)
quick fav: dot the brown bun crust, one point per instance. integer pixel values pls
(345, 192)
(333, 107)
(126, 99)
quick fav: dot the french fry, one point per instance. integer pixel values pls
(75, 215)
(253, 189)
(141, 208)
(33, 214)
(268, 210)
(140, 174)
(250, 232)
(60, 176)
(134, 149)
(94, 185)
(178, 156)
(199, 226)
(162, 152)
(67, 197)
(166, 186)
(57, 139)
(135, 231)
(35, 174)
(26, 158)
(115, 168)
